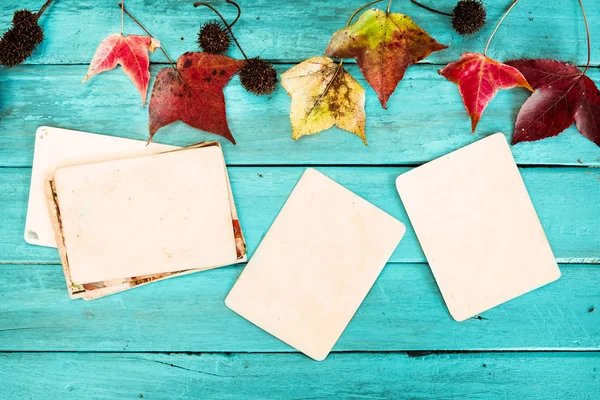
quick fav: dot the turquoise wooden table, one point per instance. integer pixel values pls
(176, 339)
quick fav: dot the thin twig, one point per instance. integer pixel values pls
(122, 7)
(201, 3)
(122, 16)
(239, 12)
(359, 10)
(589, 44)
(498, 25)
(46, 5)
(430, 9)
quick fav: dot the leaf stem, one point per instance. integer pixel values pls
(202, 3)
(498, 25)
(587, 32)
(122, 7)
(387, 9)
(122, 16)
(431, 9)
(360, 9)
(239, 12)
(46, 5)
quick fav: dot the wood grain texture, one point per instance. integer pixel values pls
(563, 197)
(293, 31)
(403, 311)
(426, 119)
(534, 376)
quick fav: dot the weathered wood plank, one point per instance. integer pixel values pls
(295, 30)
(426, 119)
(292, 376)
(403, 311)
(564, 199)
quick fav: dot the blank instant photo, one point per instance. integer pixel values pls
(146, 215)
(315, 265)
(477, 226)
(55, 148)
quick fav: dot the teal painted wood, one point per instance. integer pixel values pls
(565, 199)
(291, 31)
(403, 311)
(536, 376)
(426, 119)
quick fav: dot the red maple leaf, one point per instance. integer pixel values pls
(563, 95)
(131, 52)
(193, 94)
(478, 78)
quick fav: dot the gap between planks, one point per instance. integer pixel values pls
(409, 353)
(321, 165)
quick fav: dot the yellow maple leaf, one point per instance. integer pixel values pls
(323, 95)
(384, 45)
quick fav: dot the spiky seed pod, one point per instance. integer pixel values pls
(24, 18)
(258, 76)
(21, 39)
(468, 16)
(214, 38)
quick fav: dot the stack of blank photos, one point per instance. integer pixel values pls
(122, 223)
